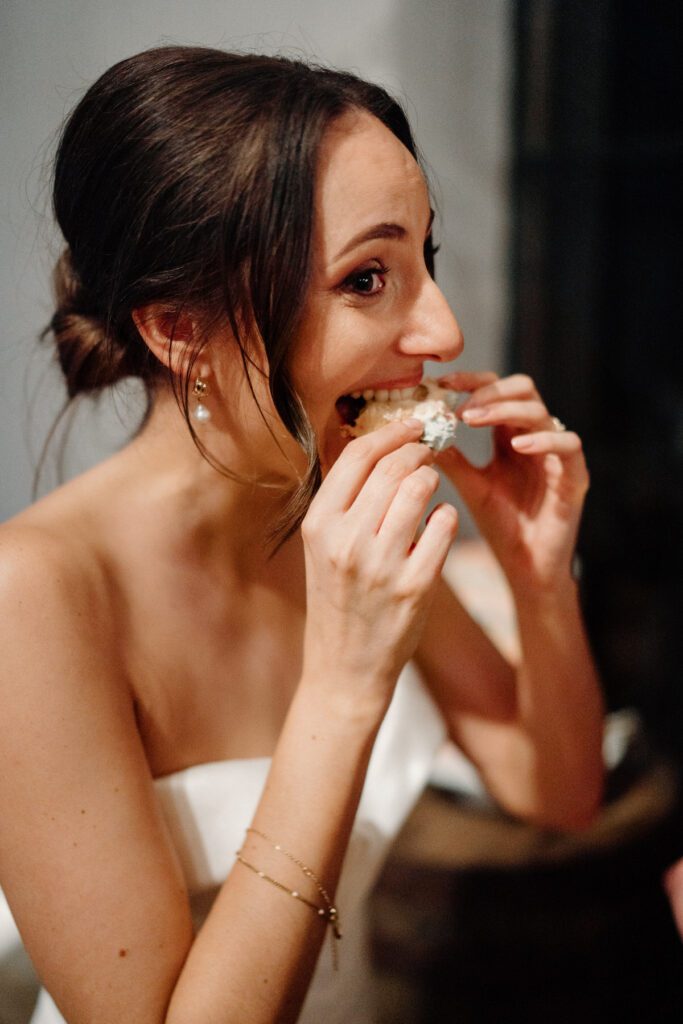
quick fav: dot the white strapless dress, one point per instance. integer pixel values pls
(209, 806)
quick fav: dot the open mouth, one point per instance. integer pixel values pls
(362, 412)
(351, 406)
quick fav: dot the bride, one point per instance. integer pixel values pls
(202, 636)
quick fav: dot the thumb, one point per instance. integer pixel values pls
(468, 479)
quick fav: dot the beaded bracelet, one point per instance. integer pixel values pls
(328, 912)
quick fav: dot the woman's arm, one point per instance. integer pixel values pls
(84, 857)
(88, 868)
(534, 730)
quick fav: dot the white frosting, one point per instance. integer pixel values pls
(434, 409)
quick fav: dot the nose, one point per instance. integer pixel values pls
(431, 331)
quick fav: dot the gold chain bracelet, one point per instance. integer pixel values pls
(329, 912)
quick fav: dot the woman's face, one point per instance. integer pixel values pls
(373, 314)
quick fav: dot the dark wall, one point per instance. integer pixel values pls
(596, 298)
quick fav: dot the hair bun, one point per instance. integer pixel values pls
(90, 357)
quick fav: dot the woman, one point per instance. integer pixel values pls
(252, 238)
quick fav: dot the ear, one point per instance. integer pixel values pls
(170, 336)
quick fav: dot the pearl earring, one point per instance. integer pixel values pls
(200, 412)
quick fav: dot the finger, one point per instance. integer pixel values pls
(348, 474)
(467, 381)
(518, 386)
(546, 442)
(427, 558)
(525, 415)
(404, 514)
(470, 481)
(384, 482)
(451, 460)
(563, 453)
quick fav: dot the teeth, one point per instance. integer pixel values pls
(387, 394)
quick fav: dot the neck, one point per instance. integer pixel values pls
(212, 516)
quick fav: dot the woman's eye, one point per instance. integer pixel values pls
(369, 281)
(430, 251)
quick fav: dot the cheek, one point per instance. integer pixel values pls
(320, 405)
(338, 349)
(338, 344)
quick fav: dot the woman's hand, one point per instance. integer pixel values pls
(368, 583)
(527, 501)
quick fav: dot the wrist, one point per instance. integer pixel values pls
(553, 619)
(345, 705)
(560, 594)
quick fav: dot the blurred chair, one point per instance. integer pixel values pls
(481, 918)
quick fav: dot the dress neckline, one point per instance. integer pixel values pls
(225, 762)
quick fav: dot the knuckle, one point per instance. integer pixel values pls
(392, 467)
(448, 516)
(430, 474)
(422, 483)
(417, 489)
(445, 520)
(310, 525)
(573, 444)
(397, 465)
(409, 588)
(344, 556)
(357, 450)
(378, 576)
(524, 381)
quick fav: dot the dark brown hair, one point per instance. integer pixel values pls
(186, 176)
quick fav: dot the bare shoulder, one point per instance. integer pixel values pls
(59, 675)
(52, 586)
(29, 551)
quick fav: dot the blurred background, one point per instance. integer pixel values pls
(552, 131)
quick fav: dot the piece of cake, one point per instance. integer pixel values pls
(428, 402)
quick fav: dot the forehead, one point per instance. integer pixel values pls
(365, 176)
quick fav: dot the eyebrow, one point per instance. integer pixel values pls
(387, 229)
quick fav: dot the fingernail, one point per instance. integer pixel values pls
(522, 442)
(474, 414)
(413, 422)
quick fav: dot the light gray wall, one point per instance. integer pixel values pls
(447, 59)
